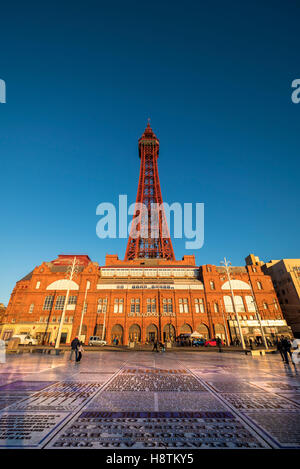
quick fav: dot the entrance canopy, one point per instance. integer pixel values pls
(196, 334)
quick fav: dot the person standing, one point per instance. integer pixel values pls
(80, 352)
(219, 344)
(74, 348)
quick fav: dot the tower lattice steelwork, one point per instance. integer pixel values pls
(149, 236)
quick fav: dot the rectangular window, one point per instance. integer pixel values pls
(118, 305)
(135, 305)
(48, 303)
(72, 300)
(199, 305)
(60, 301)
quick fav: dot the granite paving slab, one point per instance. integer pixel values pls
(123, 401)
(26, 386)
(142, 430)
(65, 396)
(245, 401)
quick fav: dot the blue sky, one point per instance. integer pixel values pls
(83, 77)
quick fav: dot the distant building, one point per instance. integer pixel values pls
(285, 274)
(2, 312)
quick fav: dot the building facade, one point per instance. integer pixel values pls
(285, 274)
(147, 296)
(142, 300)
(2, 312)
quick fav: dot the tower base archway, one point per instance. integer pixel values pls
(134, 334)
(117, 334)
(169, 333)
(151, 333)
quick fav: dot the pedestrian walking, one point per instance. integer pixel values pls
(80, 352)
(279, 348)
(286, 349)
(155, 346)
(74, 348)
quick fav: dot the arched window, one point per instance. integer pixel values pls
(216, 307)
(265, 305)
(250, 303)
(228, 304)
(239, 305)
(31, 308)
(259, 285)
(212, 285)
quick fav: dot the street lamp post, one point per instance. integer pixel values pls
(72, 273)
(226, 265)
(104, 320)
(258, 317)
(88, 284)
(226, 334)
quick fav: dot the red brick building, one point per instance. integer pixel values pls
(149, 295)
(141, 300)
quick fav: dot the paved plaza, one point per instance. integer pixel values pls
(136, 400)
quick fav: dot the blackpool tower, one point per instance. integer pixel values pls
(149, 236)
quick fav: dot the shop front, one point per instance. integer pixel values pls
(252, 332)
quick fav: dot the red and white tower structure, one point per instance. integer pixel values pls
(149, 237)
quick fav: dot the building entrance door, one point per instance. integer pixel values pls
(151, 336)
(63, 337)
(151, 333)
